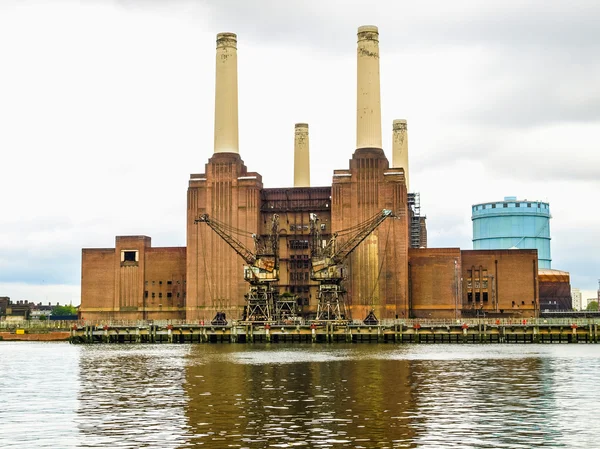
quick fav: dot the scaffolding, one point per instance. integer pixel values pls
(417, 229)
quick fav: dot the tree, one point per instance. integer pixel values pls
(593, 305)
(64, 310)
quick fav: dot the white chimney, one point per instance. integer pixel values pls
(226, 95)
(400, 147)
(368, 100)
(301, 156)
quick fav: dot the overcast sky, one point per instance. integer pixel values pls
(106, 107)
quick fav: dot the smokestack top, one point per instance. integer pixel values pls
(399, 124)
(227, 40)
(368, 32)
(301, 125)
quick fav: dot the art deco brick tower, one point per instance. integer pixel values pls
(378, 268)
(225, 191)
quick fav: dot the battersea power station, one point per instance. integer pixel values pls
(352, 250)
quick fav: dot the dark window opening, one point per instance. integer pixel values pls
(153, 294)
(485, 296)
(299, 244)
(470, 297)
(522, 303)
(146, 294)
(169, 295)
(477, 297)
(178, 294)
(160, 294)
(528, 204)
(159, 282)
(493, 206)
(169, 282)
(505, 205)
(129, 256)
(518, 205)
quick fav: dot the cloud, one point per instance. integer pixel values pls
(107, 107)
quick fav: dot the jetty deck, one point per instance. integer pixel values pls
(537, 330)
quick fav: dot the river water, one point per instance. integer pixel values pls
(56, 395)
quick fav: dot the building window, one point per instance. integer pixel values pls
(129, 256)
(505, 205)
(178, 294)
(323, 226)
(159, 282)
(160, 294)
(298, 244)
(169, 295)
(153, 294)
(528, 204)
(493, 206)
(169, 282)
(146, 294)
(517, 204)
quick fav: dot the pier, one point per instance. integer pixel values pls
(536, 330)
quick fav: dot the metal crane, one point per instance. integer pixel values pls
(261, 269)
(328, 264)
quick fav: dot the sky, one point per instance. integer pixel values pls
(106, 108)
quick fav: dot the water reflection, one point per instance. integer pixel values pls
(325, 397)
(132, 396)
(255, 396)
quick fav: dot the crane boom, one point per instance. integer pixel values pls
(328, 265)
(248, 256)
(366, 228)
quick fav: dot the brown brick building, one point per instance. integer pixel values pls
(386, 273)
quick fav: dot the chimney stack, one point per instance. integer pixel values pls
(301, 156)
(368, 100)
(400, 147)
(226, 95)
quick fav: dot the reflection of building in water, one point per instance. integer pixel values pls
(390, 272)
(239, 395)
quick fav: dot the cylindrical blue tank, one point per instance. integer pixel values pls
(513, 223)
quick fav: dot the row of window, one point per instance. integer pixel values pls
(299, 276)
(160, 295)
(299, 264)
(306, 227)
(161, 282)
(493, 206)
(298, 244)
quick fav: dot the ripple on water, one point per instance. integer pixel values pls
(426, 396)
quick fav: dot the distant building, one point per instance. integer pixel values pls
(555, 290)
(576, 299)
(38, 311)
(4, 302)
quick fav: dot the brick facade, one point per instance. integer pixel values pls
(133, 281)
